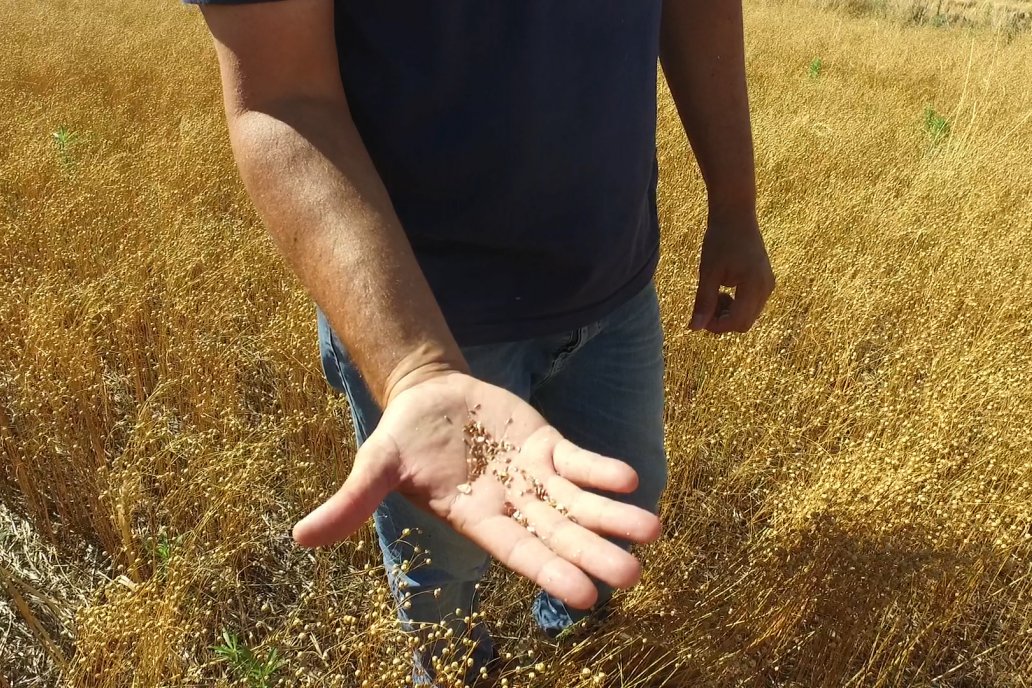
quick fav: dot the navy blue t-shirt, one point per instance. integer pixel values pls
(517, 141)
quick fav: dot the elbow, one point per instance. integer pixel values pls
(292, 110)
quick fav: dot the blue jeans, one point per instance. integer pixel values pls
(601, 386)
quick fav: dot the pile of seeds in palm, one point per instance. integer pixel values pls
(483, 450)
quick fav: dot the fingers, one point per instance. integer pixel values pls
(705, 300)
(373, 476)
(543, 544)
(724, 303)
(603, 515)
(576, 468)
(528, 556)
(750, 297)
(591, 553)
(592, 470)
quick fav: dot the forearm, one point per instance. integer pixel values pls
(703, 57)
(324, 204)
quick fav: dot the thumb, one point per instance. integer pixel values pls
(705, 299)
(374, 475)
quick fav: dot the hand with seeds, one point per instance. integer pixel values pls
(488, 464)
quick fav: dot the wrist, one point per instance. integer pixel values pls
(426, 362)
(732, 203)
(734, 218)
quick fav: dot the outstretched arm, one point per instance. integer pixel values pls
(308, 173)
(703, 56)
(311, 178)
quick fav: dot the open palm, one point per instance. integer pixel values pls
(488, 464)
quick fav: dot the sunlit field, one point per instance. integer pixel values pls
(851, 482)
(1007, 16)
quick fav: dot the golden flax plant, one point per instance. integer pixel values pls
(851, 486)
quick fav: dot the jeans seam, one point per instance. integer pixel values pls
(560, 357)
(579, 340)
(336, 359)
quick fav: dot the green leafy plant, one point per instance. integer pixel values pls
(815, 67)
(258, 673)
(936, 126)
(65, 139)
(164, 549)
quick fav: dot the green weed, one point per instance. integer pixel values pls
(815, 67)
(936, 126)
(65, 139)
(163, 550)
(258, 673)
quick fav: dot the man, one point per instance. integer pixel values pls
(467, 191)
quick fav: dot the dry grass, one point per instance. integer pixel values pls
(44, 588)
(1007, 16)
(851, 495)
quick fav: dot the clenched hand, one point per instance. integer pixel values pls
(733, 255)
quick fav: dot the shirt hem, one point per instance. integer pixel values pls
(496, 333)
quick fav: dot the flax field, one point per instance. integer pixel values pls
(851, 482)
